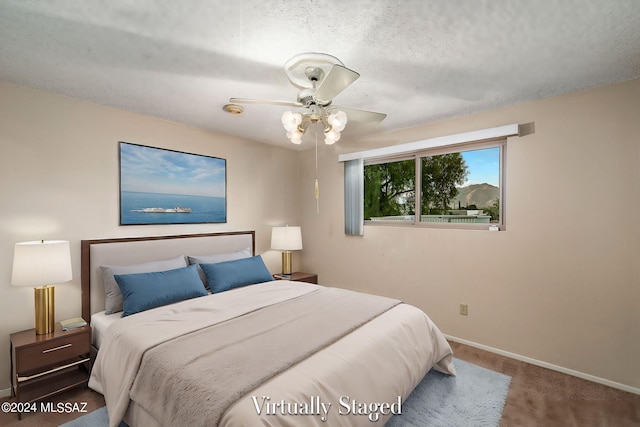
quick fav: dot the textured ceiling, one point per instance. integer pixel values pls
(420, 61)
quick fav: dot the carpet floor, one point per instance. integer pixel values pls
(542, 397)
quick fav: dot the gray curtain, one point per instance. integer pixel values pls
(354, 197)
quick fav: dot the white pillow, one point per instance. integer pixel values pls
(112, 295)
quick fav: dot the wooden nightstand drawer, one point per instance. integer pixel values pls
(51, 352)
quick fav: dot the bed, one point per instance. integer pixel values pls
(273, 353)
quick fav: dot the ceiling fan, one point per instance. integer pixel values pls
(321, 77)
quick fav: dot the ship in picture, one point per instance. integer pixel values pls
(177, 209)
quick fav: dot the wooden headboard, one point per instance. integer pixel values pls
(135, 250)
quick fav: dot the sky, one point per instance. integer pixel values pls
(153, 170)
(484, 166)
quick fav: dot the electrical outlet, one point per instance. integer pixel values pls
(464, 309)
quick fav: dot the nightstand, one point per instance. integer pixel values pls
(299, 277)
(45, 365)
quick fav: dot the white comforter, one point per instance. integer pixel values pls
(381, 362)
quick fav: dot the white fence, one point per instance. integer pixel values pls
(455, 219)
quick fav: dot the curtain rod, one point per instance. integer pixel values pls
(441, 141)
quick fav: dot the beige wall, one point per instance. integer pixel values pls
(59, 180)
(562, 284)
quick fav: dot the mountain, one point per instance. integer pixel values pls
(481, 195)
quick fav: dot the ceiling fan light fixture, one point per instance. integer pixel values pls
(291, 120)
(296, 124)
(338, 120)
(321, 77)
(295, 137)
(331, 137)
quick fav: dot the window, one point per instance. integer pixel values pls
(459, 177)
(459, 186)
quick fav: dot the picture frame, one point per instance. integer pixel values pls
(163, 186)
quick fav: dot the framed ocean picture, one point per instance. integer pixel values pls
(161, 186)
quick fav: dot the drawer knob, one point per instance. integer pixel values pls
(56, 348)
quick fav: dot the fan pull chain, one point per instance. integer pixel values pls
(316, 190)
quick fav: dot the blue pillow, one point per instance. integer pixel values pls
(223, 276)
(143, 291)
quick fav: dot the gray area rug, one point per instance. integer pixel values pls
(475, 397)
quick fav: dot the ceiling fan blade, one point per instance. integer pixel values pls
(337, 80)
(264, 101)
(359, 115)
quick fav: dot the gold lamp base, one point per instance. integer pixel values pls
(44, 297)
(286, 262)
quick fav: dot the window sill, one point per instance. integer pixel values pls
(436, 225)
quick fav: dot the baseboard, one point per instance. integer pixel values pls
(540, 363)
(5, 393)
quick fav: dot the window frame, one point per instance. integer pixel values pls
(500, 142)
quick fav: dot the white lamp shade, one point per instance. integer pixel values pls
(295, 137)
(338, 121)
(41, 263)
(286, 238)
(291, 120)
(331, 137)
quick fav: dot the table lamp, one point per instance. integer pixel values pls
(40, 264)
(286, 239)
